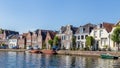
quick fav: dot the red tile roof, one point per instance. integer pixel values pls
(108, 26)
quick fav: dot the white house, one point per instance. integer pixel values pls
(66, 34)
(102, 35)
(13, 41)
(82, 33)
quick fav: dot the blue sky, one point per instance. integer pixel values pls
(25, 15)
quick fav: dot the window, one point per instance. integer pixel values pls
(101, 33)
(103, 41)
(95, 34)
(67, 37)
(83, 29)
(63, 37)
(82, 37)
(78, 37)
(28, 40)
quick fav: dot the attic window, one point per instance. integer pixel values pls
(83, 29)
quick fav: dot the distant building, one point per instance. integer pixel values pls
(102, 35)
(66, 34)
(22, 40)
(4, 34)
(13, 41)
(81, 34)
(50, 36)
(37, 38)
(29, 39)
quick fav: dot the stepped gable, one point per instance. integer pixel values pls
(64, 28)
(44, 33)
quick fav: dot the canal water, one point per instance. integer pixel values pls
(28, 60)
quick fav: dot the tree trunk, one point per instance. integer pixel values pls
(118, 46)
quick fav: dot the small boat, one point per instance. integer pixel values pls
(34, 51)
(108, 56)
(49, 52)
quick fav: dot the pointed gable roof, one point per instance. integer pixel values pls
(52, 34)
(64, 28)
(108, 26)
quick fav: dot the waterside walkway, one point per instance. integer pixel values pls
(87, 53)
(69, 52)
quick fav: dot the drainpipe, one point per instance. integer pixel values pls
(109, 41)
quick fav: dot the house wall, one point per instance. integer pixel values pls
(22, 43)
(102, 39)
(34, 40)
(66, 39)
(39, 41)
(12, 43)
(29, 40)
(48, 37)
(80, 42)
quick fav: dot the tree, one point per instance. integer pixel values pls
(116, 36)
(73, 42)
(1, 31)
(44, 45)
(89, 41)
(50, 42)
(56, 41)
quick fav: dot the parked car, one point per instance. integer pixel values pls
(55, 47)
(15, 47)
(36, 47)
(29, 48)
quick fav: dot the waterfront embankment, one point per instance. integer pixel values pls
(14, 50)
(69, 52)
(86, 53)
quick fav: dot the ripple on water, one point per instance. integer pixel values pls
(23, 60)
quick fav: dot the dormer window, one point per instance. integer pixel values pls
(83, 29)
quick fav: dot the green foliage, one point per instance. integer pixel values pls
(105, 46)
(0, 31)
(44, 45)
(50, 42)
(56, 40)
(89, 41)
(2, 44)
(73, 41)
(116, 36)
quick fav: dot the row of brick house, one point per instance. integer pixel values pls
(38, 38)
(101, 33)
(4, 36)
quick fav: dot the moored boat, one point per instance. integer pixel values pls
(34, 51)
(108, 56)
(49, 52)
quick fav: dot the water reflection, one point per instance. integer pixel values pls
(23, 60)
